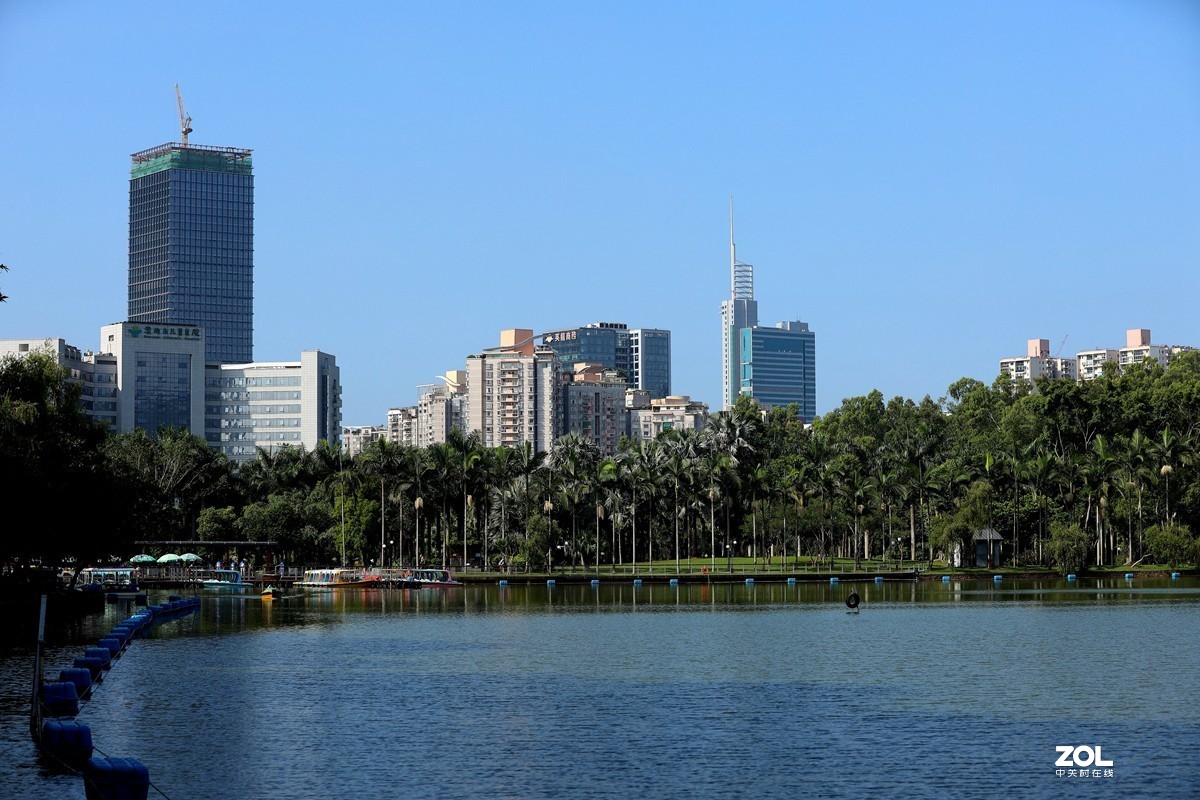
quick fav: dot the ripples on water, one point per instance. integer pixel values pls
(728, 691)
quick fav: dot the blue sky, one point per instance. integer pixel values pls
(928, 184)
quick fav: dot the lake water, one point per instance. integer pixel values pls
(933, 690)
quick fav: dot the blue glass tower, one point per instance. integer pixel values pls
(650, 357)
(191, 244)
(779, 366)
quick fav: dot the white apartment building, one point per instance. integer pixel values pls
(1038, 363)
(1091, 362)
(593, 405)
(96, 372)
(272, 404)
(152, 376)
(513, 394)
(441, 408)
(357, 438)
(1137, 350)
(674, 412)
(402, 426)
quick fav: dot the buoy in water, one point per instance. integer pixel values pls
(60, 699)
(116, 777)
(68, 740)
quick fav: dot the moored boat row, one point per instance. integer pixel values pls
(323, 579)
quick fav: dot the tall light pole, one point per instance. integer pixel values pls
(470, 505)
(417, 505)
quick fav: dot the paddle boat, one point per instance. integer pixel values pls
(271, 593)
(222, 580)
(110, 579)
(323, 579)
(433, 577)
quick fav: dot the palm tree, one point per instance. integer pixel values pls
(917, 453)
(502, 477)
(1097, 472)
(615, 505)
(889, 487)
(340, 480)
(383, 460)
(1040, 470)
(679, 472)
(1171, 450)
(857, 488)
(468, 453)
(1135, 457)
(796, 487)
(645, 474)
(574, 458)
(415, 470)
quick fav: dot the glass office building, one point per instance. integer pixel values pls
(642, 355)
(779, 366)
(650, 356)
(191, 244)
(605, 343)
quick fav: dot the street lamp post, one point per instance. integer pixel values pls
(470, 506)
(417, 505)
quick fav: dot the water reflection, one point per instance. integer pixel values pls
(718, 690)
(231, 613)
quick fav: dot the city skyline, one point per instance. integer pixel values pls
(941, 180)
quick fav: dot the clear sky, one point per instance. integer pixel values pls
(928, 184)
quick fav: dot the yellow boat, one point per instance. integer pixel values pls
(271, 593)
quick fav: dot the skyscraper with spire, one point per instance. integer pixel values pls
(777, 365)
(738, 312)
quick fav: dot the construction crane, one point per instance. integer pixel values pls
(185, 122)
(1060, 345)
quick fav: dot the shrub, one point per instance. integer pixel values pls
(1068, 547)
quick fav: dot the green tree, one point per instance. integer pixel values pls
(176, 475)
(218, 524)
(298, 522)
(1067, 548)
(50, 458)
(1173, 545)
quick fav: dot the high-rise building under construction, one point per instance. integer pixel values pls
(191, 244)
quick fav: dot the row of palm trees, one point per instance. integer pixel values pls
(741, 487)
